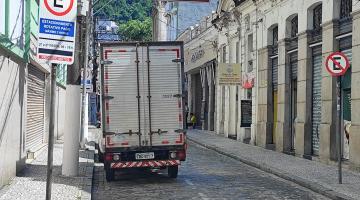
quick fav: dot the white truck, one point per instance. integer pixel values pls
(142, 106)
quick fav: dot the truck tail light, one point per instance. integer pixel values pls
(173, 155)
(181, 155)
(108, 157)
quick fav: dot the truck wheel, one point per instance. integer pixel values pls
(173, 171)
(109, 173)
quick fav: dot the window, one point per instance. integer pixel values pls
(237, 52)
(250, 43)
(224, 54)
(317, 20)
(345, 9)
(294, 27)
(275, 35)
(249, 93)
(247, 22)
(250, 66)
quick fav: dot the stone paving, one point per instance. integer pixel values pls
(206, 175)
(317, 176)
(30, 184)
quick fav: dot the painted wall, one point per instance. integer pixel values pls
(12, 112)
(60, 112)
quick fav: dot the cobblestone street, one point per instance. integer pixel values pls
(205, 175)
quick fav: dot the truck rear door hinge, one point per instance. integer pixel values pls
(108, 97)
(178, 95)
(178, 60)
(105, 62)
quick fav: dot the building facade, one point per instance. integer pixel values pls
(294, 97)
(177, 18)
(200, 53)
(25, 88)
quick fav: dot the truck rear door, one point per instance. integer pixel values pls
(142, 95)
(165, 86)
(120, 93)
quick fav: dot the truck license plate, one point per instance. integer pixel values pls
(144, 156)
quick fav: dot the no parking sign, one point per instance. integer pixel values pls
(337, 64)
(57, 30)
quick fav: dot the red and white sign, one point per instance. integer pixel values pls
(337, 64)
(248, 80)
(57, 30)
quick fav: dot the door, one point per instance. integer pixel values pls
(346, 107)
(293, 102)
(164, 84)
(274, 71)
(121, 95)
(35, 115)
(316, 98)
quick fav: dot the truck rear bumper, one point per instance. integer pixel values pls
(148, 163)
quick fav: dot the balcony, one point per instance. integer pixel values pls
(315, 36)
(273, 50)
(345, 25)
(292, 43)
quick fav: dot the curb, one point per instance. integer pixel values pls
(89, 170)
(298, 180)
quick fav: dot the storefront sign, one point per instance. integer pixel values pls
(197, 55)
(229, 74)
(246, 113)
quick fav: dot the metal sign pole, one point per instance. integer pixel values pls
(51, 133)
(339, 109)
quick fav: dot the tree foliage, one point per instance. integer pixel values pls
(132, 16)
(136, 30)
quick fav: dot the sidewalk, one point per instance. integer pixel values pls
(31, 183)
(314, 175)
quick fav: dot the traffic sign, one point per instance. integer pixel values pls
(337, 64)
(57, 30)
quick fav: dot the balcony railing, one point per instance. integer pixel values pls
(345, 25)
(273, 50)
(292, 43)
(315, 36)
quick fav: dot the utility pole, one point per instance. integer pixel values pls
(50, 167)
(85, 55)
(72, 110)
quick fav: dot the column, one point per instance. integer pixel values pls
(219, 109)
(303, 119)
(328, 147)
(190, 95)
(232, 111)
(210, 82)
(355, 94)
(264, 123)
(226, 110)
(283, 124)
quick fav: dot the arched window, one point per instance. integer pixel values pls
(345, 9)
(317, 19)
(294, 26)
(275, 35)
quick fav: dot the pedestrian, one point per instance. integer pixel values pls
(193, 120)
(186, 115)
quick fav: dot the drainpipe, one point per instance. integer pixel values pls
(256, 76)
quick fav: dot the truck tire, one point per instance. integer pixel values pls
(109, 173)
(99, 153)
(173, 171)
